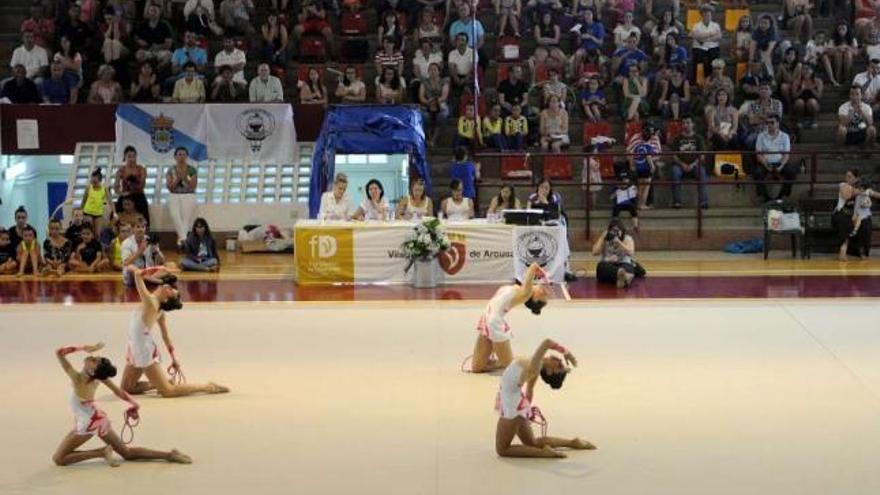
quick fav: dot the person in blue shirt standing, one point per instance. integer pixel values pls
(592, 37)
(466, 171)
(61, 87)
(465, 24)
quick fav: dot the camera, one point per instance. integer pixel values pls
(152, 239)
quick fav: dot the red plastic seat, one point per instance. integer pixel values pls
(353, 24)
(632, 129)
(557, 167)
(673, 130)
(595, 129)
(313, 47)
(515, 167)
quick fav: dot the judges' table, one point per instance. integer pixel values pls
(370, 253)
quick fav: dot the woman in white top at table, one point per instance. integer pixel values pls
(335, 204)
(374, 206)
(415, 205)
(457, 207)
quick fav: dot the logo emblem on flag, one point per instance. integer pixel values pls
(536, 247)
(161, 133)
(256, 125)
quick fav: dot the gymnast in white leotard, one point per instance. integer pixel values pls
(514, 403)
(493, 330)
(89, 420)
(142, 356)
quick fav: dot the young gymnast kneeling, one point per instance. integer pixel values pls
(515, 405)
(90, 421)
(142, 357)
(494, 332)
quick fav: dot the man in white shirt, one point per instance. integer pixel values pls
(139, 250)
(707, 40)
(869, 82)
(231, 56)
(855, 121)
(773, 147)
(32, 56)
(265, 88)
(461, 62)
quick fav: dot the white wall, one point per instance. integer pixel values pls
(29, 189)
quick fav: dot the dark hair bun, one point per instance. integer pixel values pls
(554, 380)
(104, 370)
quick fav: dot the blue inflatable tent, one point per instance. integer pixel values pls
(375, 129)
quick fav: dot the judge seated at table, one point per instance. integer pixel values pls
(544, 198)
(457, 207)
(415, 205)
(336, 204)
(374, 206)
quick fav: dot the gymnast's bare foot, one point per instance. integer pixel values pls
(112, 461)
(551, 452)
(579, 444)
(179, 457)
(214, 388)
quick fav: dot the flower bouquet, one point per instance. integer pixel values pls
(424, 242)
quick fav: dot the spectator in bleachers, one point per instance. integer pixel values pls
(662, 19)
(689, 165)
(390, 27)
(265, 88)
(460, 63)
(226, 89)
(616, 249)
(787, 73)
(624, 30)
(70, 59)
(336, 204)
(153, 38)
(389, 56)
(390, 87)
(457, 207)
(626, 57)
(189, 53)
(428, 27)
(553, 86)
(200, 249)
(42, 28)
(351, 88)
(516, 129)
(465, 170)
(509, 13)
(33, 57)
(675, 95)
(755, 113)
(579, 7)
(130, 181)
(764, 40)
(513, 91)
(427, 54)
(312, 91)
(374, 206)
(593, 101)
(773, 160)
(807, 93)
(78, 32)
(60, 87)
(190, 88)
(706, 36)
(313, 20)
(464, 26)
(201, 18)
(56, 250)
(181, 181)
(856, 121)
(30, 259)
(493, 129)
(20, 89)
(671, 54)
(872, 39)
(843, 49)
(642, 149)
(434, 100)
(8, 258)
(105, 90)
(742, 38)
(554, 126)
(236, 17)
(869, 82)
(750, 83)
(145, 89)
(281, 5)
(128, 8)
(129, 215)
(233, 58)
(548, 36)
(591, 37)
(469, 133)
(625, 198)
(275, 40)
(722, 121)
(635, 95)
(505, 200)
(116, 32)
(796, 14)
(415, 205)
(16, 232)
(717, 80)
(75, 226)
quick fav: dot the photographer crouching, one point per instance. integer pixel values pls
(616, 249)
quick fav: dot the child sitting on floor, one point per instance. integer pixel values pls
(113, 250)
(200, 249)
(88, 256)
(862, 205)
(29, 257)
(8, 258)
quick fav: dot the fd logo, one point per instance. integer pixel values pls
(536, 247)
(452, 260)
(322, 246)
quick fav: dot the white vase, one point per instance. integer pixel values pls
(425, 273)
